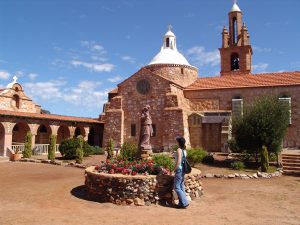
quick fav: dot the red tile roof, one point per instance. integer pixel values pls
(245, 81)
(48, 116)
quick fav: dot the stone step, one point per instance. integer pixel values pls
(292, 172)
(286, 168)
(291, 161)
(291, 155)
(290, 164)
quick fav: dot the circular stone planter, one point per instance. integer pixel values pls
(139, 189)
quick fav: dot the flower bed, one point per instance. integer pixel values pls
(138, 189)
(131, 168)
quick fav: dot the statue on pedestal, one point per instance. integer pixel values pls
(146, 132)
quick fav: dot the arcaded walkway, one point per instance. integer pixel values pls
(46, 194)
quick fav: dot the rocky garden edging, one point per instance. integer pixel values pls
(139, 189)
(256, 175)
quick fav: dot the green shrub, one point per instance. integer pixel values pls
(196, 155)
(163, 160)
(52, 146)
(237, 165)
(209, 159)
(79, 155)
(264, 159)
(28, 145)
(232, 145)
(67, 148)
(87, 149)
(129, 151)
(272, 157)
(98, 151)
(110, 148)
(174, 147)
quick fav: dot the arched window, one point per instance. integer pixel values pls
(235, 62)
(234, 27)
(167, 42)
(43, 129)
(16, 101)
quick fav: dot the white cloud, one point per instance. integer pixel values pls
(114, 79)
(93, 46)
(4, 75)
(260, 67)
(32, 76)
(129, 59)
(260, 49)
(199, 56)
(49, 90)
(86, 93)
(96, 67)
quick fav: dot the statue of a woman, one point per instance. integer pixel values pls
(146, 129)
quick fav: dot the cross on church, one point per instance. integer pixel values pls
(170, 27)
(15, 79)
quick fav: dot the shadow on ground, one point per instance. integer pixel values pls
(81, 193)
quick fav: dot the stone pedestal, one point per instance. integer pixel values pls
(146, 152)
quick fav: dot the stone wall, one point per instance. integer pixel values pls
(225, 96)
(179, 74)
(139, 189)
(166, 101)
(7, 101)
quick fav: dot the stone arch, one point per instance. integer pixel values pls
(43, 134)
(91, 136)
(2, 138)
(63, 133)
(19, 132)
(79, 131)
(16, 101)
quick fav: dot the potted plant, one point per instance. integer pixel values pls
(16, 155)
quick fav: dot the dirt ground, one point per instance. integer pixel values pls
(46, 194)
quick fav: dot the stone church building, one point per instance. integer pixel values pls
(200, 109)
(182, 103)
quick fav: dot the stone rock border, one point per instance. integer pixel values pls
(139, 190)
(244, 176)
(256, 175)
(55, 162)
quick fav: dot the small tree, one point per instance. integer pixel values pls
(79, 150)
(263, 123)
(264, 159)
(129, 151)
(28, 145)
(52, 147)
(110, 148)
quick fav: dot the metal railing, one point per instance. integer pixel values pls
(18, 148)
(42, 149)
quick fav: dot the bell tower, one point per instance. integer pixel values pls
(236, 52)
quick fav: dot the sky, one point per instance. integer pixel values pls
(68, 54)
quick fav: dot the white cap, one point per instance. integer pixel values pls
(169, 53)
(235, 8)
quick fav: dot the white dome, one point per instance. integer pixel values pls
(235, 8)
(169, 53)
(169, 56)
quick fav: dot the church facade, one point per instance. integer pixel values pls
(200, 109)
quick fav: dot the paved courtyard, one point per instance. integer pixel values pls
(46, 194)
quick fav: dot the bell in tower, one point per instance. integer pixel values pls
(236, 51)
